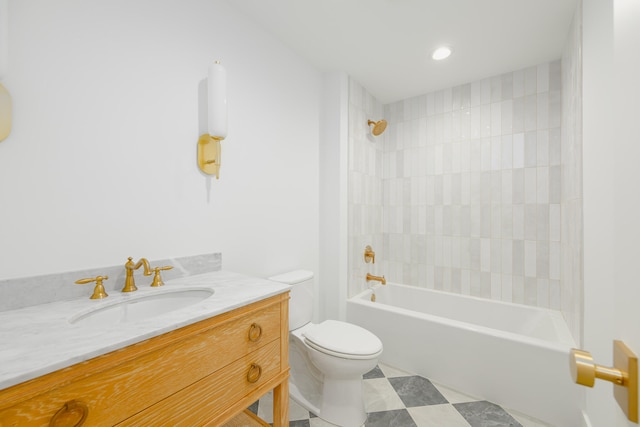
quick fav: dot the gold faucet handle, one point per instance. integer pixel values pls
(98, 292)
(157, 279)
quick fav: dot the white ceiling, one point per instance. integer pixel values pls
(386, 45)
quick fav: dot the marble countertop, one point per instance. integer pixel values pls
(40, 339)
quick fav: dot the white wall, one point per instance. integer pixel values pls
(611, 205)
(101, 161)
(333, 197)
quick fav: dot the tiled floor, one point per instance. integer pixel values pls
(395, 398)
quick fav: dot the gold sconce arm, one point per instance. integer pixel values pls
(623, 374)
(209, 154)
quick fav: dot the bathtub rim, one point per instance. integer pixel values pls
(363, 298)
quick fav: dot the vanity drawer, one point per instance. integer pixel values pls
(213, 392)
(117, 385)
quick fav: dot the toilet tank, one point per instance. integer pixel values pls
(301, 302)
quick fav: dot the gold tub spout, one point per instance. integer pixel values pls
(380, 279)
(129, 266)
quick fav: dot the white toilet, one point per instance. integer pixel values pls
(327, 359)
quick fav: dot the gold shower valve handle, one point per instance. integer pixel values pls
(369, 255)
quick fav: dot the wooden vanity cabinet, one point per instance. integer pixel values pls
(203, 374)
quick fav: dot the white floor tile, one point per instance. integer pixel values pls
(379, 395)
(437, 415)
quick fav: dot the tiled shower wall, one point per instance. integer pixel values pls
(471, 186)
(470, 189)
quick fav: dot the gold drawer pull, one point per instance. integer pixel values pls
(255, 332)
(254, 374)
(70, 410)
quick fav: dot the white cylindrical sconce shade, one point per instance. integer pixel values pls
(217, 100)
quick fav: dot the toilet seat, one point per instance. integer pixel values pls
(342, 339)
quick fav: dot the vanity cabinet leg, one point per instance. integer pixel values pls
(281, 405)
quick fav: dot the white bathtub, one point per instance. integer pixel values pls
(513, 355)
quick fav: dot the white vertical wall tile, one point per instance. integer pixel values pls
(496, 286)
(518, 150)
(530, 113)
(496, 118)
(485, 120)
(506, 221)
(506, 118)
(517, 255)
(506, 282)
(530, 182)
(496, 255)
(517, 121)
(518, 221)
(507, 152)
(554, 222)
(485, 154)
(543, 110)
(517, 289)
(496, 153)
(530, 221)
(530, 149)
(542, 184)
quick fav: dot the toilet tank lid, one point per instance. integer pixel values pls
(293, 277)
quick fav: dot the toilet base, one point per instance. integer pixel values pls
(342, 402)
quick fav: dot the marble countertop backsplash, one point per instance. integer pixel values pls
(40, 339)
(28, 291)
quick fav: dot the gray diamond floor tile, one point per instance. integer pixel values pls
(395, 418)
(485, 414)
(374, 373)
(417, 391)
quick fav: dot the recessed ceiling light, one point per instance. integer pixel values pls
(441, 53)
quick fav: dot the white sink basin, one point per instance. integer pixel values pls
(141, 308)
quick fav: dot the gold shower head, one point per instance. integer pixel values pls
(378, 127)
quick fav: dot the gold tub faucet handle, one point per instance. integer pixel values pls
(99, 291)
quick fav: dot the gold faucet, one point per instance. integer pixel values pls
(129, 266)
(380, 279)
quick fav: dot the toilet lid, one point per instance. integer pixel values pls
(343, 339)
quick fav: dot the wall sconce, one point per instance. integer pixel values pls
(209, 152)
